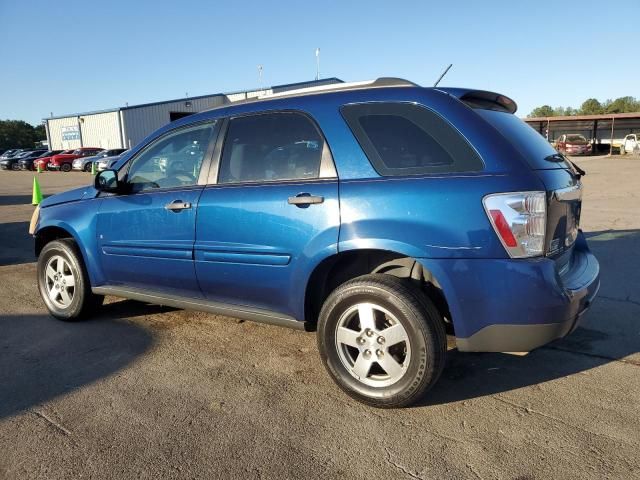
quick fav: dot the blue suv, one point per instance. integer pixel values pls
(380, 214)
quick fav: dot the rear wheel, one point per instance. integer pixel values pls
(87, 167)
(382, 340)
(65, 167)
(63, 281)
(15, 167)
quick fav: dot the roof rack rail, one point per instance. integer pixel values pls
(336, 87)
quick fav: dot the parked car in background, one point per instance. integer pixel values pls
(108, 162)
(13, 162)
(377, 214)
(64, 161)
(630, 144)
(44, 161)
(11, 153)
(28, 163)
(84, 163)
(573, 144)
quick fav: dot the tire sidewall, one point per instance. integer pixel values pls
(62, 249)
(422, 360)
(65, 167)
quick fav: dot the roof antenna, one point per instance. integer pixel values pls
(442, 76)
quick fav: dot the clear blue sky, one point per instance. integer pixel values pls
(73, 56)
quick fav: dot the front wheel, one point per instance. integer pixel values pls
(15, 167)
(87, 167)
(623, 151)
(382, 340)
(63, 281)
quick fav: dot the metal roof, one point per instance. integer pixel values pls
(335, 80)
(603, 116)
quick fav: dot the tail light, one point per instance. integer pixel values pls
(520, 221)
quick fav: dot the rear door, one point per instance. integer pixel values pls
(146, 235)
(270, 212)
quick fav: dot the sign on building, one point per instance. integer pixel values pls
(70, 133)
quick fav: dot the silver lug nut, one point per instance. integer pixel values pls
(379, 353)
(369, 332)
(360, 340)
(367, 353)
(380, 340)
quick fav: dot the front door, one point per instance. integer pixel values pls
(272, 213)
(146, 235)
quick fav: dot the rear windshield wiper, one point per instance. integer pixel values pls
(558, 157)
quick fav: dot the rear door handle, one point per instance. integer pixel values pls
(177, 205)
(304, 199)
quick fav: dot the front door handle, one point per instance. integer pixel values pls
(177, 205)
(304, 200)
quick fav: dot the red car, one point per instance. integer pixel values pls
(44, 161)
(64, 161)
(573, 144)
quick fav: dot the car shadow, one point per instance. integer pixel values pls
(42, 358)
(17, 245)
(15, 200)
(608, 333)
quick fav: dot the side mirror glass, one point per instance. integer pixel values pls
(107, 181)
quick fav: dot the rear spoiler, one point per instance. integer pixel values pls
(482, 99)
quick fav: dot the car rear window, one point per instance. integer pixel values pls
(408, 139)
(533, 146)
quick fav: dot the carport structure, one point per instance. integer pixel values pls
(602, 130)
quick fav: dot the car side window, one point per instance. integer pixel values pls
(409, 139)
(173, 160)
(271, 147)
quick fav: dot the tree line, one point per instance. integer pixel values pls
(590, 106)
(19, 134)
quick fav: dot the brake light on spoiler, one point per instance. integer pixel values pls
(520, 220)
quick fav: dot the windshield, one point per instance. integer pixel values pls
(534, 147)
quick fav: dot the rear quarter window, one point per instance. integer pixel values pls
(534, 147)
(408, 139)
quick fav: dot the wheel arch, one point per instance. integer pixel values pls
(346, 265)
(60, 230)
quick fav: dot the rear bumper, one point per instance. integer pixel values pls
(517, 305)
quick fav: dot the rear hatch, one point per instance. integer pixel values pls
(560, 177)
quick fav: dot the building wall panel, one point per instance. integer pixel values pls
(56, 126)
(141, 121)
(101, 130)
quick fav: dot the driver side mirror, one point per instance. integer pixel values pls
(107, 181)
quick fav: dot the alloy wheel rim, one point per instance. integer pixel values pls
(60, 281)
(373, 345)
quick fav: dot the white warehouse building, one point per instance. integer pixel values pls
(124, 127)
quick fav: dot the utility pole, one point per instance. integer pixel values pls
(260, 77)
(318, 63)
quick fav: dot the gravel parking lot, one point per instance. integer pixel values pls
(150, 392)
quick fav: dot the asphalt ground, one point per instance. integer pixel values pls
(142, 391)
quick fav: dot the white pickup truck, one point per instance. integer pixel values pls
(630, 144)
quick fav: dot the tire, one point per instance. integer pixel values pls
(79, 301)
(15, 167)
(622, 150)
(65, 167)
(87, 167)
(420, 353)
